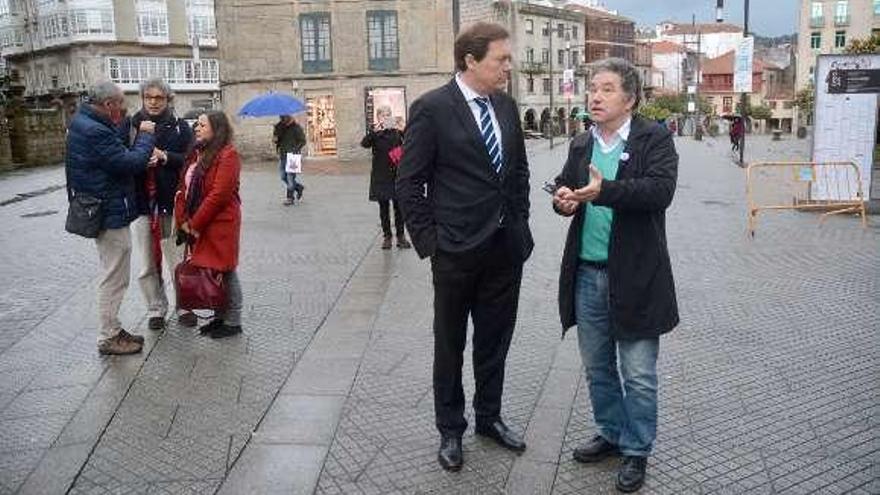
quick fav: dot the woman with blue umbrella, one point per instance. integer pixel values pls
(288, 135)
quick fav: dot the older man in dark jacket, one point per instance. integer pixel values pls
(616, 278)
(155, 189)
(101, 165)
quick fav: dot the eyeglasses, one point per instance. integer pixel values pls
(155, 98)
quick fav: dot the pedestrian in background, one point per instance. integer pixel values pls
(616, 279)
(381, 139)
(463, 187)
(208, 211)
(100, 164)
(289, 137)
(155, 189)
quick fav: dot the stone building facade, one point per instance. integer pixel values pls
(344, 59)
(58, 49)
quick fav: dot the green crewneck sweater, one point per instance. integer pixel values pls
(597, 219)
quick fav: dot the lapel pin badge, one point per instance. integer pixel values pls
(624, 157)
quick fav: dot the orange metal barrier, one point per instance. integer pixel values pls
(832, 187)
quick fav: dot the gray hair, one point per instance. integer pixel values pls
(630, 79)
(160, 84)
(103, 91)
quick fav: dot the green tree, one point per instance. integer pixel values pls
(760, 112)
(803, 100)
(867, 45)
(653, 111)
(678, 104)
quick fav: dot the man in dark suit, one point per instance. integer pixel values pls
(464, 141)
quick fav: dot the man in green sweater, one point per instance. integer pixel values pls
(616, 280)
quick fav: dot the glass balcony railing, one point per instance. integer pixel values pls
(817, 22)
(841, 20)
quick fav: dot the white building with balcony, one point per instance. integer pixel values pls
(58, 48)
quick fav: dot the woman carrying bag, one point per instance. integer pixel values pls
(207, 212)
(382, 139)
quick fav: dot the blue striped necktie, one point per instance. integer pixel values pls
(487, 130)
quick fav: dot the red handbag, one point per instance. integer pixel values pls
(395, 154)
(198, 287)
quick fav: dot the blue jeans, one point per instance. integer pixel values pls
(288, 179)
(625, 415)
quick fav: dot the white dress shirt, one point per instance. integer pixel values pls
(621, 134)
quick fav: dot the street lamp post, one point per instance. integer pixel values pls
(744, 100)
(550, 61)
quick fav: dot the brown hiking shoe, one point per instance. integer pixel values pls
(156, 323)
(386, 244)
(188, 319)
(122, 343)
(136, 338)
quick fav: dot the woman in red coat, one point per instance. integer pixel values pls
(208, 209)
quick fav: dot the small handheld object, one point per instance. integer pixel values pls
(550, 187)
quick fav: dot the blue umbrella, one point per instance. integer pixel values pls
(272, 104)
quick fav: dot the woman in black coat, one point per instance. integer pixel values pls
(382, 139)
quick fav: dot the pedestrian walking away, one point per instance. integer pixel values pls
(100, 164)
(616, 278)
(465, 143)
(382, 139)
(289, 138)
(207, 211)
(155, 189)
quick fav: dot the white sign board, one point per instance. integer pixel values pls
(692, 107)
(568, 75)
(845, 122)
(742, 72)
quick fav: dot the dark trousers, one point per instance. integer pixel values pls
(385, 217)
(484, 284)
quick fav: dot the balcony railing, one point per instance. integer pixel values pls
(533, 67)
(841, 20)
(817, 22)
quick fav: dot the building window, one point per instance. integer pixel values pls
(840, 39)
(841, 13)
(545, 56)
(577, 86)
(315, 38)
(772, 105)
(816, 19)
(575, 58)
(545, 85)
(560, 58)
(574, 32)
(816, 41)
(530, 84)
(560, 30)
(178, 72)
(152, 21)
(530, 55)
(876, 7)
(382, 36)
(201, 22)
(545, 30)
(530, 26)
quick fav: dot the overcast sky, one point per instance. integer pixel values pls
(766, 17)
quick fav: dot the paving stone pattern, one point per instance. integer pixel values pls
(176, 420)
(768, 385)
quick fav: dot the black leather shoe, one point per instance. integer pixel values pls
(449, 456)
(156, 323)
(631, 475)
(595, 450)
(211, 326)
(224, 331)
(505, 437)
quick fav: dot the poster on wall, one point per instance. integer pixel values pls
(379, 101)
(845, 118)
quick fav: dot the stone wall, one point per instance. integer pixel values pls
(37, 137)
(5, 144)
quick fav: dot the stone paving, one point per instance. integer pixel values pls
(769, 385)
